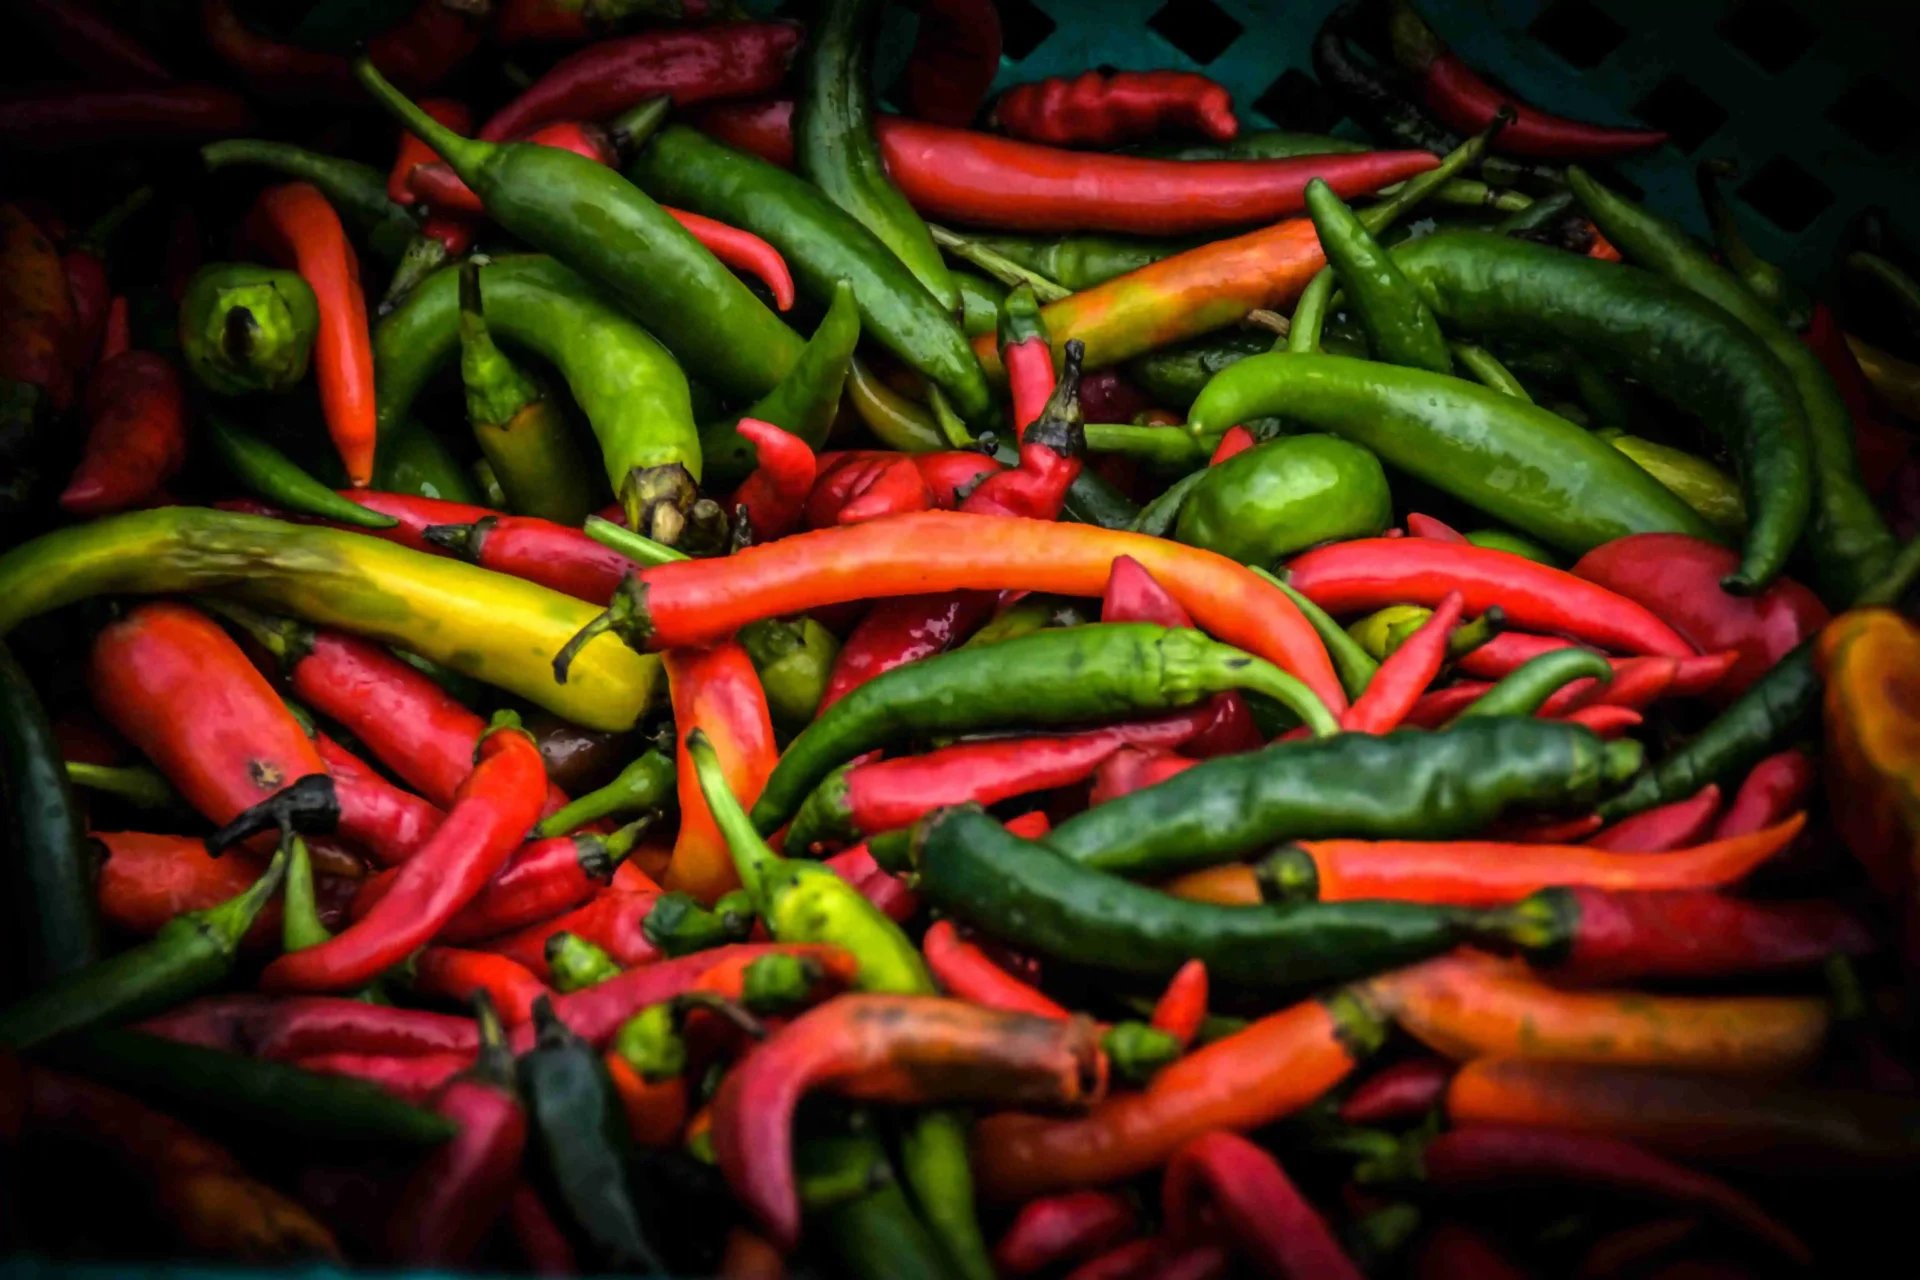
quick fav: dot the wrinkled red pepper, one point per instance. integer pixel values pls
(136, 410)
(775, 494)
(1104, 109)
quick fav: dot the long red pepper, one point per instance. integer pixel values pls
(415, 1079)
(776, 492)
(731, 60)
(1157, 1258)
(540, 880)
(867, 487)
(61, 117)
(84, 261)
(454, 1199)
(453, 974)
(895, 1048)
(1182, 1007)
(1636, 683)
(1698, 933)
(696, 602)
(285, 1028)
(86, 40)
(949, 471)
(1407, 1090)
(413, 152)
(553, 555)
(1134, 595)
(1406, 673)
(147, 880)
(1371, 573)
(136, 409)
(1054, 1231)
(1104, 109)
(956, 55)
(297, 226)
(1420, 526)
(1671, 826)
(968, 973)
(1027, 355)
(1493, 1157)
(1695, 677)
(489, 814)
(900, 631)
(1269, 1222)
(389, 823)
(1608, 722)
(615, 920)
(716, 690)
(1772, 789)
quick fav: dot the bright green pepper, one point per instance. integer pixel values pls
(1522, 691)
(980, 300)
(576, 963)
(1399, 324)
(806, 401)
(794, 660)
(271, 474)
(245, 328)
(646, 784)
(1310, 313)
(1265, 503)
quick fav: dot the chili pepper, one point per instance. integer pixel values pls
(1762, 278)
(777, 490)
(1274, 499)
(1027, 355)
(1671, 826)
(138, 785)
(1881, 447)
(643, 785)
(1182, 1007)
(1446, 786)
(437, 183)
(1052, 447)
(1471, 1006)
(147, 880)
(1400, 326)
(452, 974)
(1483, 873)
(1528, 687)
(884, 486)
(1708, 490)
(887, 1047)
(806, 401)
(575, 964)
(50, 895)
(1268, 1221)
(84, 263)
(36, 315)
(1101, 110)
(286, 1028)
(541, 879)
(356, 190)
(416, 1080)
(191, 952)
(794, 660)
(413, 152)
(270, 473)
(57, 118)
(655, 1111)
(1051, 1231)
(498, 801)
(206, 1201)
(1773, 788)
(419, 51)
(245, 328)
(296, 225)
(956, 55)
(543, 1246)
(300, 924)
(580, 1139)
(718, 690)
(1407, 1090)
(537, 549)
(1851, 545)
(966, 972)
(1406, 673)
(89, 42)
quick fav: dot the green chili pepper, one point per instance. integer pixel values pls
(139, 785)
(680, 926)
(1274, 499)
(412, 459)
(1310, 313)
(1695, 481)
(1681, 347)
(1032, 613)
(1173, 376)
(358, 191)
(1851, 544)
(1158, 516)
(580, 1136)
(1256, 144)
(1763, 279)
(1406, 785)
(521, 430)
(1050, 677)
(806, 401)
(1487, 369)
(1162, 446)
(633, 395)
(973, 868)
(1090, 498)
(778, 982)
(1380, 632)
(1400, 326)
(1001, 268)
(645, 785)
(823, 244)
(251, 1093)
(1541, 214)
(1081, 262)
(1351, 663)
(576, 964)
(980, 301)
(245, 328)
(192, 952)
(1522, 691)
(300, 925)
(1515, 544)
(271, 474)
(834, 146)
(49, 888)
(794, 660)
(1529, 468)
(874, 1235)
(1138, 1050)
(601, 225)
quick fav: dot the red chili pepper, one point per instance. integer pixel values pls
(84, 262)
(1104, 110)
(1246, 1191)
(1052, 449)
(1396, 687)
(1237, 440)
(881, 487)
(1463, 100)
(82, 37)
(1056, 1231)
(1182, 1007)
(453, 974)
(1419, 526)
(950, 471)
(1371, 573)
(1698, 933)
(763, 128)
(1027, 355)
(1636, 683)
(297, 226)
(1135, 595)
(731, 60)
(1773, 788)
(615, 920)
(177, 687)
(286, 1028)
(416, 1080)
(1671, 826)
(1678, 579)
(1883, 447)
(415, 53)
(892, 1048)
(1547, 831)
(136, 408)
(966, 972)
(900, 631)
(1492, 1157)
(413, 152)
(891, 895)
(389, 823)
(1132, 768)
(489, 814)
(147, 880)
(1500, 656)
(716, 690)
(454, 233)
(63, 117)
(415, 515)
(1452, 1252)
(1157, 1258)
(553, 555)
(743, 251)
(1608, 722)
(543, 1246)
(456, 1195)
(956, 55)
(776, 493)
(1407, 1090)
(656, 1110)
(542, 879)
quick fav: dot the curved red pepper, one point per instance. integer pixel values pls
(83, 38)
(1371, 573)
(136, 408)
(1101, 110)
(1671, 826)
(1700, 933)
(883, 487)
(1608, 722)
(896, 632)
(542, 879)
(453, 974)
(950, 471)
(1052, 448)
(1270, 1223)
(489, 814)
(1407, 1090)
(1237, 440)
(543, 1246)
(1054, 1231)
(1694, 677)
(1419, 526)
(763, 128)
(743, 251)
(1772, 789)
(614, 920)
(956, 55)
(553, 555)
(968, 973)
(776, 493)
(716, 690)
(1396, 687)
(1182, 1007)
(389, 823)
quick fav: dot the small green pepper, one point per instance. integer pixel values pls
(272, 475)
(645, 784)
(1399, 324)
(246, 328)
(1522, 691)
(794, 660)
(1265, 503)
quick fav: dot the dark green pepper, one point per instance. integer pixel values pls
(1400, 326)
(245, 328)
(1081, 262)
(1267, 502)
(980, 300)
(806, 401)
(1522, 691)
(874, 1233)
(1174, 376)
(270, 474)
(412, 459)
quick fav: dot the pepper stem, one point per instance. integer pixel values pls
(495, 1063)
(1415, 190)
(463, 540)
(466, 155)
(227, 923)
(657, 500)
(625, 616)
(640, 550)
(1288, 874)
(300, 925)
(1261, 676)
(752, 859)
(632, 129)
(306, 804)
(287, 640)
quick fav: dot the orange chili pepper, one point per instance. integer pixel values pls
(297, 226)
(716, 690)
(656, 1112)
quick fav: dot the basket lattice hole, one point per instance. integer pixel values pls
(1200, 29)
(1023, 25)
(1689, 116)
(1786, 195)
(1875, 114)
(1296, 101)
(1580, 33)
(1768, 32)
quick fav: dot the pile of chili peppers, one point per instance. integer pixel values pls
(617, 659)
